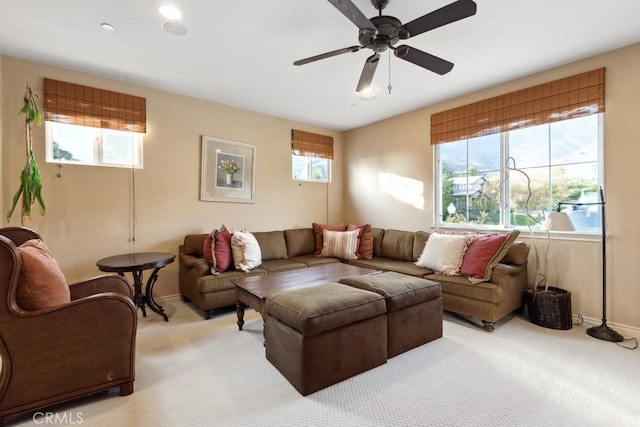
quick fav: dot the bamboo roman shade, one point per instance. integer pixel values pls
(562, 99)
(311, 144)
(86, 106)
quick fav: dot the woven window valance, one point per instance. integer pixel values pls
(311, 144)
(562, 99)
(87, 106)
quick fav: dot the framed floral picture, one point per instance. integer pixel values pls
(227, 171)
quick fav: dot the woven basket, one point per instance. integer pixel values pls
(550, 309)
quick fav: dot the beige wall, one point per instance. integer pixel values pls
(389, 182)
(89, 209)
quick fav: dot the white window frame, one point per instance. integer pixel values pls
(97, 143)
(309, 161)
(504, 189)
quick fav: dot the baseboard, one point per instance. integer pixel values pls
(626, 330)
(168, 298)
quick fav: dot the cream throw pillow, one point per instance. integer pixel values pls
(340, 244)
(443, 253)
(246, 251)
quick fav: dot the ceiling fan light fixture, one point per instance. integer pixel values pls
(381, 33)
(368, 93)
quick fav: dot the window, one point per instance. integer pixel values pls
(311, 156)
(90, 126)
(510, 159)
(479, 183)
(310, 168)
(84, 145)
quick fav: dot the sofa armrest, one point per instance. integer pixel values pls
(199, 265)
(506, 274)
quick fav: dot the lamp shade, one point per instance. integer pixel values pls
(558, 221)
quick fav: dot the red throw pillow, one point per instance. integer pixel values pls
(42, 285)
(207, 253)
(480, 254)
(222, 249)
(365, 240)
(319, 228)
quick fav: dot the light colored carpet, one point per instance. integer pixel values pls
(192, 372)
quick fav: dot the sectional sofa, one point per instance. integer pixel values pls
(393, 250)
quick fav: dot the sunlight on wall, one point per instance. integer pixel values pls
(406, 190)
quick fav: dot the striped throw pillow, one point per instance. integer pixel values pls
(340, 244)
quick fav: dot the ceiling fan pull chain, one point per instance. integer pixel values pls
(389, 87)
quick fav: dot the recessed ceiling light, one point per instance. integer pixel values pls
(174, 28)
(170, 12)
(107, 27)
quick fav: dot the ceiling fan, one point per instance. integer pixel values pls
(383, 32)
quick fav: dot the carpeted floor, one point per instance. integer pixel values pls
(192, 372)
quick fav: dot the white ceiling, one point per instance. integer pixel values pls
(240, 53)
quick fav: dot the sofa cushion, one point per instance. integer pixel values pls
(365, 240)
(223, 255)
(419, 240)
(272, 244)
(246, 251)
(193, 244)
(311, 260)
(484, 253)
(378, 235)
(42, 284)
(319, 228)
(398, 244)
(300, 241)
(275, 265)
(517, 254)
(443, 253)
(340, 244)
(390, 264)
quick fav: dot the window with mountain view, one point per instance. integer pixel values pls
(480, 181)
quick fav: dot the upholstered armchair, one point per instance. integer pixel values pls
(65, 351)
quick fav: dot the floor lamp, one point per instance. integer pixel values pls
(560, 221)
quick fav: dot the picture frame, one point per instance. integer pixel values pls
(227, 171)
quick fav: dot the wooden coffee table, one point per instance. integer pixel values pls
(252, 291)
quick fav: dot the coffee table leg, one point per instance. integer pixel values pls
(240, 313)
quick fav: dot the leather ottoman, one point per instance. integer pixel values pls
(324, 334)
(414, 308)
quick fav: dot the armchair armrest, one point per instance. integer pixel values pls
(94, 336)
(101, 284)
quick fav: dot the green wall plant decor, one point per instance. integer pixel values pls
(30, 180)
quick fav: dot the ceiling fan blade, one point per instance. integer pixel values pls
(423, 59)
(354, 14)
(327, 55)
(367, 72)
(445, 15)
